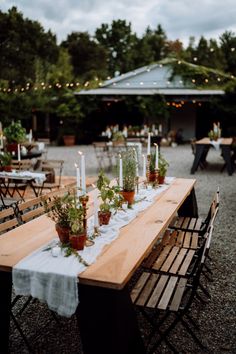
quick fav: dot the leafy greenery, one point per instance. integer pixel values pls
(5, 159)
(15, 133)
(163, 165)
(110, 195)
(129, 164)
(58, 209)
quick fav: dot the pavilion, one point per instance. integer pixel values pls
(183, 97)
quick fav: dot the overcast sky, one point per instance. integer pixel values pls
(179, 18)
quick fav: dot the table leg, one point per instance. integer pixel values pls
(108, 322)
(198, 157)
(189, 206)
(5, 310)
(226, 154)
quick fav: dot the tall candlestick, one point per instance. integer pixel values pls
(149, 144)
(83, 178)
(156, 161)
(144, 166)
(18, 152)
(121, 174)
(136, 160)
(78, 180)
(96, 223)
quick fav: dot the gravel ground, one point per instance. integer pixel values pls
(216, 318)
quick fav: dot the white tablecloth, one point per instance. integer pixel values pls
(54, 280)
(38, 177)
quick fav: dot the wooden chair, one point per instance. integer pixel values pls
(30, 209)
(8, 220)
(197, 224)
(23, 165)
(163, 297)
(54, 169)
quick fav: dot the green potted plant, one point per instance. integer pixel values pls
(163, 165)
(69, 218)
(5, 161)
(118, 137)
(78, 233)
(129, 166)
(15, 134)
(152, 170)
(58, 211)
(108, 197)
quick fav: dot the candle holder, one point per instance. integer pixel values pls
(137, 183)
(84, 200)
(148, 167)
(96, 231)
(155, 183)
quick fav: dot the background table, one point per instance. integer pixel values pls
(202, 148)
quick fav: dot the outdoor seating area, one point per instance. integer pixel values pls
(167, 278)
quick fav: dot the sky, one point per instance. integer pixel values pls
(180, 19)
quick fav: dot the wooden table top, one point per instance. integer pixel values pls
(223, 141)
(117, 262)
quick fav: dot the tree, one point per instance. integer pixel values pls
(22, 41)
(157, 41)
(119, 41)
(87, 57)
(228, 46)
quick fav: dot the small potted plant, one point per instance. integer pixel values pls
(108, 197)
(5, 161)
(129, 164)
(58, 211)
(15, 134)
(163, 165)
(152, 170)
(78, 233)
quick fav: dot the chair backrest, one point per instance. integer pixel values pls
(8, 220)
(22, 165)
(213, 210)
(50, 164)
(30, 209)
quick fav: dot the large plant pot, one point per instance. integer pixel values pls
(104, 217)
(161, 179)
(128, 196)
(78, 241)
(69, 140)
(63, 233)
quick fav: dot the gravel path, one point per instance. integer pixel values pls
(216, 318)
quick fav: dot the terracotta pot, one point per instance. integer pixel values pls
(161, 179)
(78, 241)
(7, 168)
(69, 140)
(128, 196)
(63, 233)
(104, 217)
(12, 147)
(152, 177)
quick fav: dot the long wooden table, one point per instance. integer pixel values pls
(202, 148)
(105, 314)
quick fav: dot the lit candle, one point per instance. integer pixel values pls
(149, 144)
(30, 136)
(78, 180)
(1, 141)
(156, 161)
(136, 160)
(18, 152)
(96, 223)
(121, 174)
(83, 177)
(144, 166)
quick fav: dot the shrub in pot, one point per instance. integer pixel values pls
(152, 171)
(163, 165)
(129, 164)
(15, 134)
(5, 161)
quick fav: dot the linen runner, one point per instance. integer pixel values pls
(38, 177)
(54, 279)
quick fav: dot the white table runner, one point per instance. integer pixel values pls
(54, 279)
